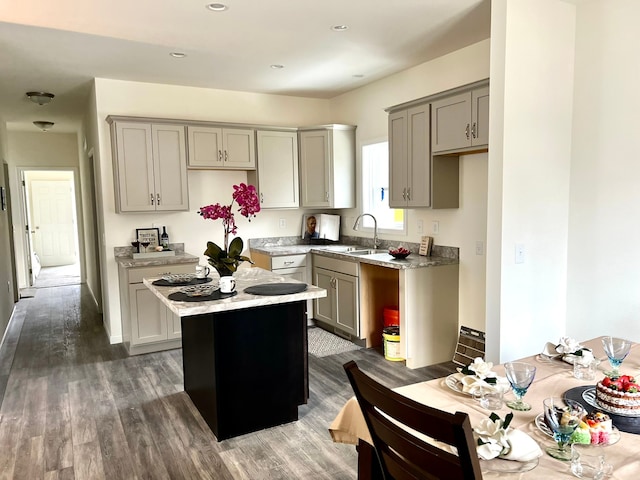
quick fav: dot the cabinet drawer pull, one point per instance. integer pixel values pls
(466, 131)
(289, 262)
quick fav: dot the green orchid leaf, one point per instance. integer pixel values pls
(212, 250)
(235, 247)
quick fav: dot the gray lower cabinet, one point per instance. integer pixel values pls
(147, 324)
(339, 310)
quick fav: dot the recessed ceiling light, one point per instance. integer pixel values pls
(178, 54)
(358, 75)
(339, 28)
(277, 66)
(217, 7)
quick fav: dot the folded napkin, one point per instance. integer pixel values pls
(569, 350)
(509, 444)
(471, 382)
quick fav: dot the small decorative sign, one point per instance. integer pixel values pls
(425, 246)
(148, 235)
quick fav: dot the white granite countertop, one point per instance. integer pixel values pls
(244, 278)
(380, 257)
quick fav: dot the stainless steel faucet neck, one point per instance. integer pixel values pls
(375, 227)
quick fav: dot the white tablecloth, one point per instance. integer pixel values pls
(552, 379)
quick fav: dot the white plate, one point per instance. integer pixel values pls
(589, 396)
(454, 384)
(507, 466)
(614, 437)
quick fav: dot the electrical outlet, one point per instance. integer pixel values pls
(519, 253)
(479, 247)
(419, 227)
(283, 223)
(435, 227)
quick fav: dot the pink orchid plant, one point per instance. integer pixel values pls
(226, 260)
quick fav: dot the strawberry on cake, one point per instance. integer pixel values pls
(619, 395)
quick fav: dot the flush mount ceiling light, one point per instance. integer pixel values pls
(339, 28)
(217, 7)
(43, 125)
(178, 54)
(41, 98)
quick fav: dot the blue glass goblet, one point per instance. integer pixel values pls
(520, 376)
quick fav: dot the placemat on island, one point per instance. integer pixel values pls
(622, 422)
(216, 295)
(276, 288)
(195, 281)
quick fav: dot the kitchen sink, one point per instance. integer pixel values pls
(367, 251)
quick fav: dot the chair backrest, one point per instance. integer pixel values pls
(470, 345)
(401, 454)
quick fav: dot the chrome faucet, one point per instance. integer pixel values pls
(375, 227)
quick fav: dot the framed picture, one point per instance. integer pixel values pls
(151, 235)
(3, 198)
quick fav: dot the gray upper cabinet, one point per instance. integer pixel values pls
(150, 166)
(221, 148)
(460, 121)
(409, 158)
(327, 166)
(276, 177)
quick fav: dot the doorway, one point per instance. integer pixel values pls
(52, 254)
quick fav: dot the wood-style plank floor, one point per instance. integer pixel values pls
(76, 407)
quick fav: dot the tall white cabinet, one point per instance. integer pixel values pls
(327, 166)
(276, 176)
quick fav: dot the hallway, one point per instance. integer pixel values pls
(76, 407)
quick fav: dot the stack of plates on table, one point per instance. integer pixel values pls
(179, 277)
(199, 290)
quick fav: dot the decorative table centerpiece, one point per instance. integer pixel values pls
(226, 260)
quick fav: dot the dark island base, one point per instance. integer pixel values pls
(246, 370)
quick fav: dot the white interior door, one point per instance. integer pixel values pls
(53, 222)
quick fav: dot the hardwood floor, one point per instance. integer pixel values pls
(76, 407)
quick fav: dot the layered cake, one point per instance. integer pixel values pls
(619, 395)
(595, 428)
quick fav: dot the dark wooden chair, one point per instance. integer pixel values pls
(403, 456)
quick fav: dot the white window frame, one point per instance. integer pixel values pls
(366, 223)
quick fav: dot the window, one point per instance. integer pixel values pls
(375, 189)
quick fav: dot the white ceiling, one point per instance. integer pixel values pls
(60, 46)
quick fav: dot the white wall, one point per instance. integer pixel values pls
(529, 164)
(41, 149)
(604, 258)
(462, 227)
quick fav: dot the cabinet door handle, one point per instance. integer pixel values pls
(158, 198)
(333, 282)
(326, 196)
(466, 131)
(474, 132)
(226, 156)
(219, 155)
(409, 193)
(261, 197)
(404, 193)
(152, 199)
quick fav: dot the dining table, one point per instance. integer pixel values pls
(554, 377)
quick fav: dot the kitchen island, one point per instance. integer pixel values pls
(244, 356)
